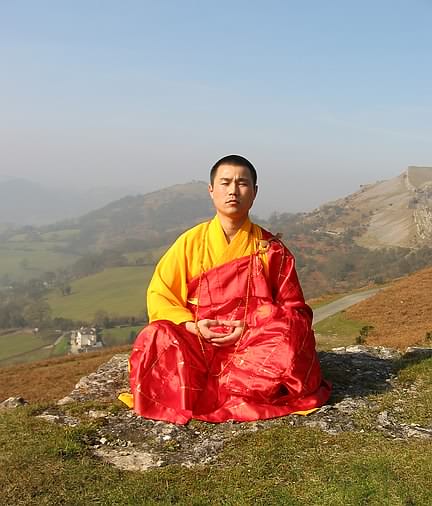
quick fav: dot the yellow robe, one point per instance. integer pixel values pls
(197, 250)
(157, 352)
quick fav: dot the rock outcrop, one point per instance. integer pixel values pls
(359, 375)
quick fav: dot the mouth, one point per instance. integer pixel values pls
(233, 201)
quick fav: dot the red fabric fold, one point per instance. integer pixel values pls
(273, 371)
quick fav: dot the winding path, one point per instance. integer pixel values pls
(332, 308)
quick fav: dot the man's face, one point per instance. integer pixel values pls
(233, 191)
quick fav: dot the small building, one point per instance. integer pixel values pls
(85, 339)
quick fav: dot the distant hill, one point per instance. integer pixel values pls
(381, 232)
(132, 223)
(144, 221)
(24, 202)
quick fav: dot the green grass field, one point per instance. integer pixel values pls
(24, 347)
(119, 291)
(150, 255)
(119, 335)
(336, 331)
(22, 261)
(61, 348)
(46, 463)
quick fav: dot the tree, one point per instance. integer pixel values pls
(49, 277)
(132, 336)
(102, 319)
(364, 333)
(24, 263)
(65, 289)
(38, 313)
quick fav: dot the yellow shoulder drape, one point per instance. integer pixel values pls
(197, 250)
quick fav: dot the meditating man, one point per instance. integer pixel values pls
(230, 335)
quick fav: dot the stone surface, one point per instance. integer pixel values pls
(415, 352)
(105, 383)
(134, 443)
(12, 402)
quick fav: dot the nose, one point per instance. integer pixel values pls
(233, 190)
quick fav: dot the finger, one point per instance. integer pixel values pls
(235, 333)
(232, 323)
(209, 335)
(230, 338)
(209, 323)
(223, 342)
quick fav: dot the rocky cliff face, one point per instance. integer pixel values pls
(419, 182)
(395, 212)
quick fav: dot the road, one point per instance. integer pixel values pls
(332, 308)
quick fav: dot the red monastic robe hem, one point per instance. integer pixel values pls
(273, 371)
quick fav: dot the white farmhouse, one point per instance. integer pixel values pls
(84, 339)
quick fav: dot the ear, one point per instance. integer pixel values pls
(256, 190)
(210, 190)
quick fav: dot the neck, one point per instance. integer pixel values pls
(231, 226)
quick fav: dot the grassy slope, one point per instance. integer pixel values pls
(337, 330)
(119, 336)
(49, 380)
(41, 463)
(39, 256)
(119, 291)
(51, 465)
(24, 347)
(401, 314)
(13, 344)
(153, 253)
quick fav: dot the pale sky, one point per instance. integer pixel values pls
(321, 96)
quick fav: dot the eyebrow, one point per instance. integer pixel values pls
(242, 179)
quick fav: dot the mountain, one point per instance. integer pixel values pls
(142, 225)
(24, 202)
(136, 222)
(381, 232)
(396, 212)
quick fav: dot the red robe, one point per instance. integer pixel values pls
(273, 370)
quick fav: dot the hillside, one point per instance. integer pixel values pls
(381, 232)
(52, 379)
(140, 221)
(135, 224)
(401, 314)
(119, 291)
(333, 245)
(392, 213)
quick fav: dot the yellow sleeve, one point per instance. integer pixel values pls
(167, 292)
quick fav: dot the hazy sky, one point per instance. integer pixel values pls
(320, 95)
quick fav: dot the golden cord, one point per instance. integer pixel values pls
(199, 334)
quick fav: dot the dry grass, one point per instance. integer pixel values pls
(400, 314)
(52, 379)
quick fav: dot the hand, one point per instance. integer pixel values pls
(236, 331)
(235, 328)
